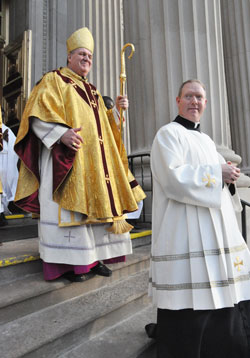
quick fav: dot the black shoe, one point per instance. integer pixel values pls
(72, 277)
(3, 221)
(15, 209)
(151, 330)
(101, 270)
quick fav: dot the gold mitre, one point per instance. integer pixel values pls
(81, 38)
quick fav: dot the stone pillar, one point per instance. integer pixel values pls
(175, 41)
(236, 29)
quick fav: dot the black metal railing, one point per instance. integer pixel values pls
(139, 165)
(141, 170)
(244, 219)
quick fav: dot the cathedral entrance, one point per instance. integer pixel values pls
(15, 68)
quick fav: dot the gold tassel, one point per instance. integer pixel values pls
(120, 227)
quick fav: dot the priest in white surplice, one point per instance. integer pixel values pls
(200, 264)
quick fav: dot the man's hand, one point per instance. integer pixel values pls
(230, 173)
(121, 102)
(71, 139)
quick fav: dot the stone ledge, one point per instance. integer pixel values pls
(30, 293)
(127, 339)
(26, 335)
(21, 251)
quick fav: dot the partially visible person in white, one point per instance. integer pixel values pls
(8, 169)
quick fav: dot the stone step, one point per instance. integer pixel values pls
(18, 259)
(21, 257)
(149, 352)
(31, 293)
(46, 319)
(18, 227)
(81, 314)
(126, 339)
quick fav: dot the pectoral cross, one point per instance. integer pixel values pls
(238, 263)
(93, 104)
(69, 236)
(210, 181)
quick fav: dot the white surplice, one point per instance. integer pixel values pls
(75, 245)
(8, 170)
(199, 257)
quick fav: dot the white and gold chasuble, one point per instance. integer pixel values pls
(199, 257)
(96, 191)
(75, 244)
(98, 186)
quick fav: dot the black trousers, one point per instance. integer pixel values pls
(222, 333)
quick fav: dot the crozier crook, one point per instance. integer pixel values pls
(122, 82)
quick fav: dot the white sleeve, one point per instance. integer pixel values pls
(48, 133)
(199, 185)
(116, 115)
(136, 214)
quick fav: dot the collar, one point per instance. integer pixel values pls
(188, 124)
(72, 74)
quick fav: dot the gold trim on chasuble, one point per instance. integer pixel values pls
(94, 105)
(91, 98)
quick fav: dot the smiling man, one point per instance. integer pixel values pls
(72, 174)
(200, 264)
(191, 101)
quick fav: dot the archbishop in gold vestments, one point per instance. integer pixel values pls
(81, 194)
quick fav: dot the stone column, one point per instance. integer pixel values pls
(236, 30)
(175, 41)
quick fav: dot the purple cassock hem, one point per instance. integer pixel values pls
(52, 271)
(115, 260)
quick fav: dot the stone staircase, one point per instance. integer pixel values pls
(19, 227)
(98, 318)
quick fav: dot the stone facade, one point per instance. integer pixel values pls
(174, 40)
